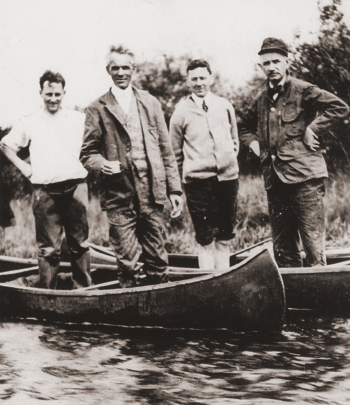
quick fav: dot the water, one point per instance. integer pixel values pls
(308, 362)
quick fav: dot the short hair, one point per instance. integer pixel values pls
(121, 50)
(51, 77)
(198, 63)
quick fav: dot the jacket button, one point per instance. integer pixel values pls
(273, 158)
(273, 109)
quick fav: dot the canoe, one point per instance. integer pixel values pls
(323, 290)
(248, 296)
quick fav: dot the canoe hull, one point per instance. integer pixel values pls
(249, 297)
(322, 289)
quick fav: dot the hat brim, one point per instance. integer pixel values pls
(272, 50)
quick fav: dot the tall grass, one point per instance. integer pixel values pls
(252, 221)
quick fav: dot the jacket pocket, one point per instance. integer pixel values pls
(292, 121)
(116, 186)
(293, 149)
(290, 111)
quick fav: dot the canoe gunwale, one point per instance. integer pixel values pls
(126, 291)
(315, 270)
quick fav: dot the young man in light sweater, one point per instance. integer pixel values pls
(205, 141)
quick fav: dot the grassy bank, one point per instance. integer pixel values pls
(252, 221)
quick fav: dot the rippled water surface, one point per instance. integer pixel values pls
(309, 362)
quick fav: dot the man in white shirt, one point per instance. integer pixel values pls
(54, 136)
(205, 141)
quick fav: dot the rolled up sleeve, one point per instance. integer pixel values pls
(17, 138)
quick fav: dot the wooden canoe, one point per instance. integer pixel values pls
(248, 296)
(325, 290)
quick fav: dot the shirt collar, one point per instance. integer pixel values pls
(119, 93)
(199, 100)
(45, 114)
(281, 83)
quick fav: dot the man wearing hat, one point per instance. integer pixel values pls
(286, 124)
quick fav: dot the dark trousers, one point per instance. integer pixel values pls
(56, 210)
(297, 212)
(138, 229)
(213, 208)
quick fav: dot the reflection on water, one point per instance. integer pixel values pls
(309, 362)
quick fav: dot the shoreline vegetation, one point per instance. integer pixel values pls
(252, 221)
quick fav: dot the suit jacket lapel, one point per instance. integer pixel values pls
(114, 108)
(145, 109)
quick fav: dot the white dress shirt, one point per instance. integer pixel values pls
(54, 144)
(199, 100)
(123, 97)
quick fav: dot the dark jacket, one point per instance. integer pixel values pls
(7, 217)
(106, 138)
(280, 125)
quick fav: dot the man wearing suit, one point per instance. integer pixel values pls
(205, 141)
(285, 127)
(126, 140)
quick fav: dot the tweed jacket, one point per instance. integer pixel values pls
(279, 126)
(106, 138)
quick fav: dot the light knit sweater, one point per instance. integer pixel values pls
(205, 143)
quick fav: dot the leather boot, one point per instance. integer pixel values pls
(48, 271)
(206, 256)
(81, 270)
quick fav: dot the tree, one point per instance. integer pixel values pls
(326, 63)
(166, 80)
(242, 100)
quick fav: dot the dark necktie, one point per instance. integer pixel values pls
(274, 90)
(204, 106)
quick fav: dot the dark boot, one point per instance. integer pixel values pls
(156, 277)
(48, 271)
(81, 270)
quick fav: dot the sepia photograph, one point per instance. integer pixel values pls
(174, 202)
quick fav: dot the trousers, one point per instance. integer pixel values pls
(297, 213)
(138, 229)
(213, 207)
(57, 209)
